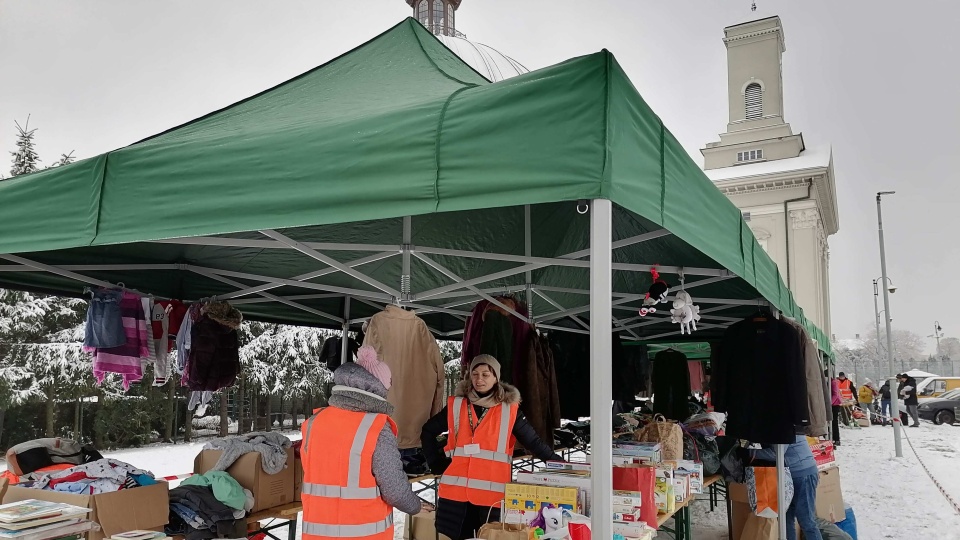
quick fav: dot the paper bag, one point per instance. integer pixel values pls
(640, 479)
(759, 528)
(503, 531)
(762, 490)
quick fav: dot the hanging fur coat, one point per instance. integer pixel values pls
(215, 348)
(537, 381)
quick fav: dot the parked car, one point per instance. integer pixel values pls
(941, 410)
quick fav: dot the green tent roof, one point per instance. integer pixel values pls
(340, 155)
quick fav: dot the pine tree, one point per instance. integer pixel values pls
(25, 158)
(65, 159)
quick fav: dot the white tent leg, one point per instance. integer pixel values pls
(344, 349)
(781, 494)
(601, 393)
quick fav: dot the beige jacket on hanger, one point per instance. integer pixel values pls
(815, 404)
(405, 344)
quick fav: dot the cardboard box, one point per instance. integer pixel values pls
(630, 516)
(142, 508)
(297, 479)
(421, 527)
(632, 499)
(269, 490)
(823, 451)
(830, 497)
(863, 422)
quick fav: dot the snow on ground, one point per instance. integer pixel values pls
(893, 498)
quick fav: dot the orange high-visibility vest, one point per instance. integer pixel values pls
(846, 390)
(482, 461)
(340, 494)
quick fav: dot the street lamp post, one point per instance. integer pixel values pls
(876, 293)
(895, 402)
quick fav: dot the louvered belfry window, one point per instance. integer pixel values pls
(754, 101)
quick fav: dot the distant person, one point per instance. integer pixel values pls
(803, 470)
(836, 403)
(885, 402)
(867, 394)
(908, 392)
(847, 398)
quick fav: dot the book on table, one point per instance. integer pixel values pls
(32, 513)
(57, 529)
(139, 535)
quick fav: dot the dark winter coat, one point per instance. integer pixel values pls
(455, 519)
(816, 408)
(671, 385)
(885, 391)
(537, 383)
(760, 381)
(909, 396)
(214, 355)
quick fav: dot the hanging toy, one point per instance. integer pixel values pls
(550, 519)
(684, 312)
(655, 295)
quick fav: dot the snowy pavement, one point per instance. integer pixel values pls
(893, 499)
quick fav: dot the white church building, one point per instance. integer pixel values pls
(786, 190)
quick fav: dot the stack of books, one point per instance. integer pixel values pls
(32, 519)
(632, 452)
(140, 535)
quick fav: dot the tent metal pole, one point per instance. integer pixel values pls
(536, 266)
(405, 250)
(581, 309)
(329, 261)
(528, 251)
(344, 349)
(243, 301)
(55, 270)
(228, 281)
(94, 267)
(601, 348)
(272, 244)
(677, 332)
(302, 284)
(443, 270)
(488, 290)
(781, 492)
(310, 275)
(557, 305)
(563, 329)
(659, 320)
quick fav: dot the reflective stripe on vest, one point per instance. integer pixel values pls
(502, 457)
(457, 407)
(473, 484)
(501, 454)
(348, 531)
(337, 492)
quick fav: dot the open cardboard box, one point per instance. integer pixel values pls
(143, 508)
(269, 490)
(422, 526)
(297, 479)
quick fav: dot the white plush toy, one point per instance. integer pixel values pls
(685, 313)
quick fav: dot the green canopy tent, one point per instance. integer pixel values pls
(397, 174)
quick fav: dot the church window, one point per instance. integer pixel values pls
(750, 155)
(423, 11)
(753, 99)
(450, 24)
(438, 22)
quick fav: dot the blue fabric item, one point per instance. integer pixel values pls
(798, 457)
(803, 508)
(189, 515)
(143, 480)
(104, 328)
(72, 487)
(849, 525)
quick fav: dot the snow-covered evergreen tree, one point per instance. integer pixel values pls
(25, 157)
(65, 159)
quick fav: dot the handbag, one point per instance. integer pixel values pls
(667, 433)
(499, 530)
(762, 490)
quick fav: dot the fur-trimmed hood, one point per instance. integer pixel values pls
(224, 314)
(510, 393)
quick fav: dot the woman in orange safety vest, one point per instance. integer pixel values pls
(352, 474)
(484, 422)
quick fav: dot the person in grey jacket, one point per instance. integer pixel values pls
(362, 387)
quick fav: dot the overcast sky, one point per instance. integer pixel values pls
(877, 79)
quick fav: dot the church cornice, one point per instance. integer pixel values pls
(757, 186)
(757, 33)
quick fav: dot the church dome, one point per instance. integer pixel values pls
(439, 17)
(488, 61)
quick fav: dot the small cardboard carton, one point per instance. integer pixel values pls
(142, 508)
(297, 479)
(829, 496)
(421, 527)
(269, 490)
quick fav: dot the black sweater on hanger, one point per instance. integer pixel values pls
(759, 379)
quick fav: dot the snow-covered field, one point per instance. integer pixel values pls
(892, 498)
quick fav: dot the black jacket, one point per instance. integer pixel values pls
(760, 380)
(885, 391)
(910, 396)
(671, 385)
(437, 426)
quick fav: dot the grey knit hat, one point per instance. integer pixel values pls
(482, 359)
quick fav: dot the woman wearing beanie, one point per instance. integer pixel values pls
(352, 474)
(484, 423)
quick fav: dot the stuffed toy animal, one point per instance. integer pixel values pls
(685, 313)
(655, 295)
(550, 519)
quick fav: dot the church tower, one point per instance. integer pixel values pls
(438, 16)
(756, 130)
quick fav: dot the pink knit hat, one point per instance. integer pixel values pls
(367, 359)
